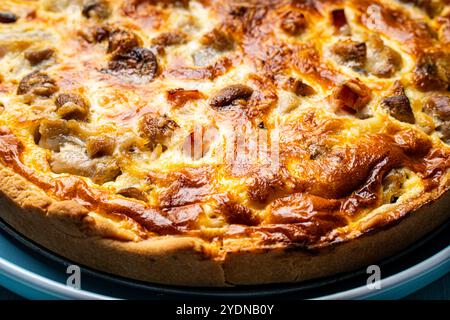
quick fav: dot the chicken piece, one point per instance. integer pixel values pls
(382, 61)
(432, 72)
(71, 154)
(350, 53)
(157, 129)
(351, 97)
(55, 133)
(438, 107)
(73, 159)
(398, 105)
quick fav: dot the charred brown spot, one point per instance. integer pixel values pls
(293, 22)
(170, 38)
(7, 17)
(100, 146)
(304, 208)
(235, 213)
(351, 53)
(229, 95)
(157, 129)
(184, 187)
(218, 68)
(72, 106)
(36, 57)
(131, 6)
(96, 9)
(238, 10)
(139, 64)
(186, 217)
(398, 105)
(179, 97)
(217, 39)
(351, 96)
(37, 83)
(122, 41)
(338, 18)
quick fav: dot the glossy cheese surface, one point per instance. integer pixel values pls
(265, 123)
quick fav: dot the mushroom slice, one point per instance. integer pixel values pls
(72, 106)
(229, 95)
(37, 83)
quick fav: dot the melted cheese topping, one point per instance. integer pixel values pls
(286, 121)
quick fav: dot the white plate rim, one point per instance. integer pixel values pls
(58, 290)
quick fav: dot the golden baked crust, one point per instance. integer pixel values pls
(241, 142)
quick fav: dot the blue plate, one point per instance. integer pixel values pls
(34, 273)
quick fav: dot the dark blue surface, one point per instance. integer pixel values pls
(423, 263)
(439, 290)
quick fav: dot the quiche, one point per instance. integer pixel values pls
(224, 142)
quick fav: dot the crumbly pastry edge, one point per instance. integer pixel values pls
(180, 260)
